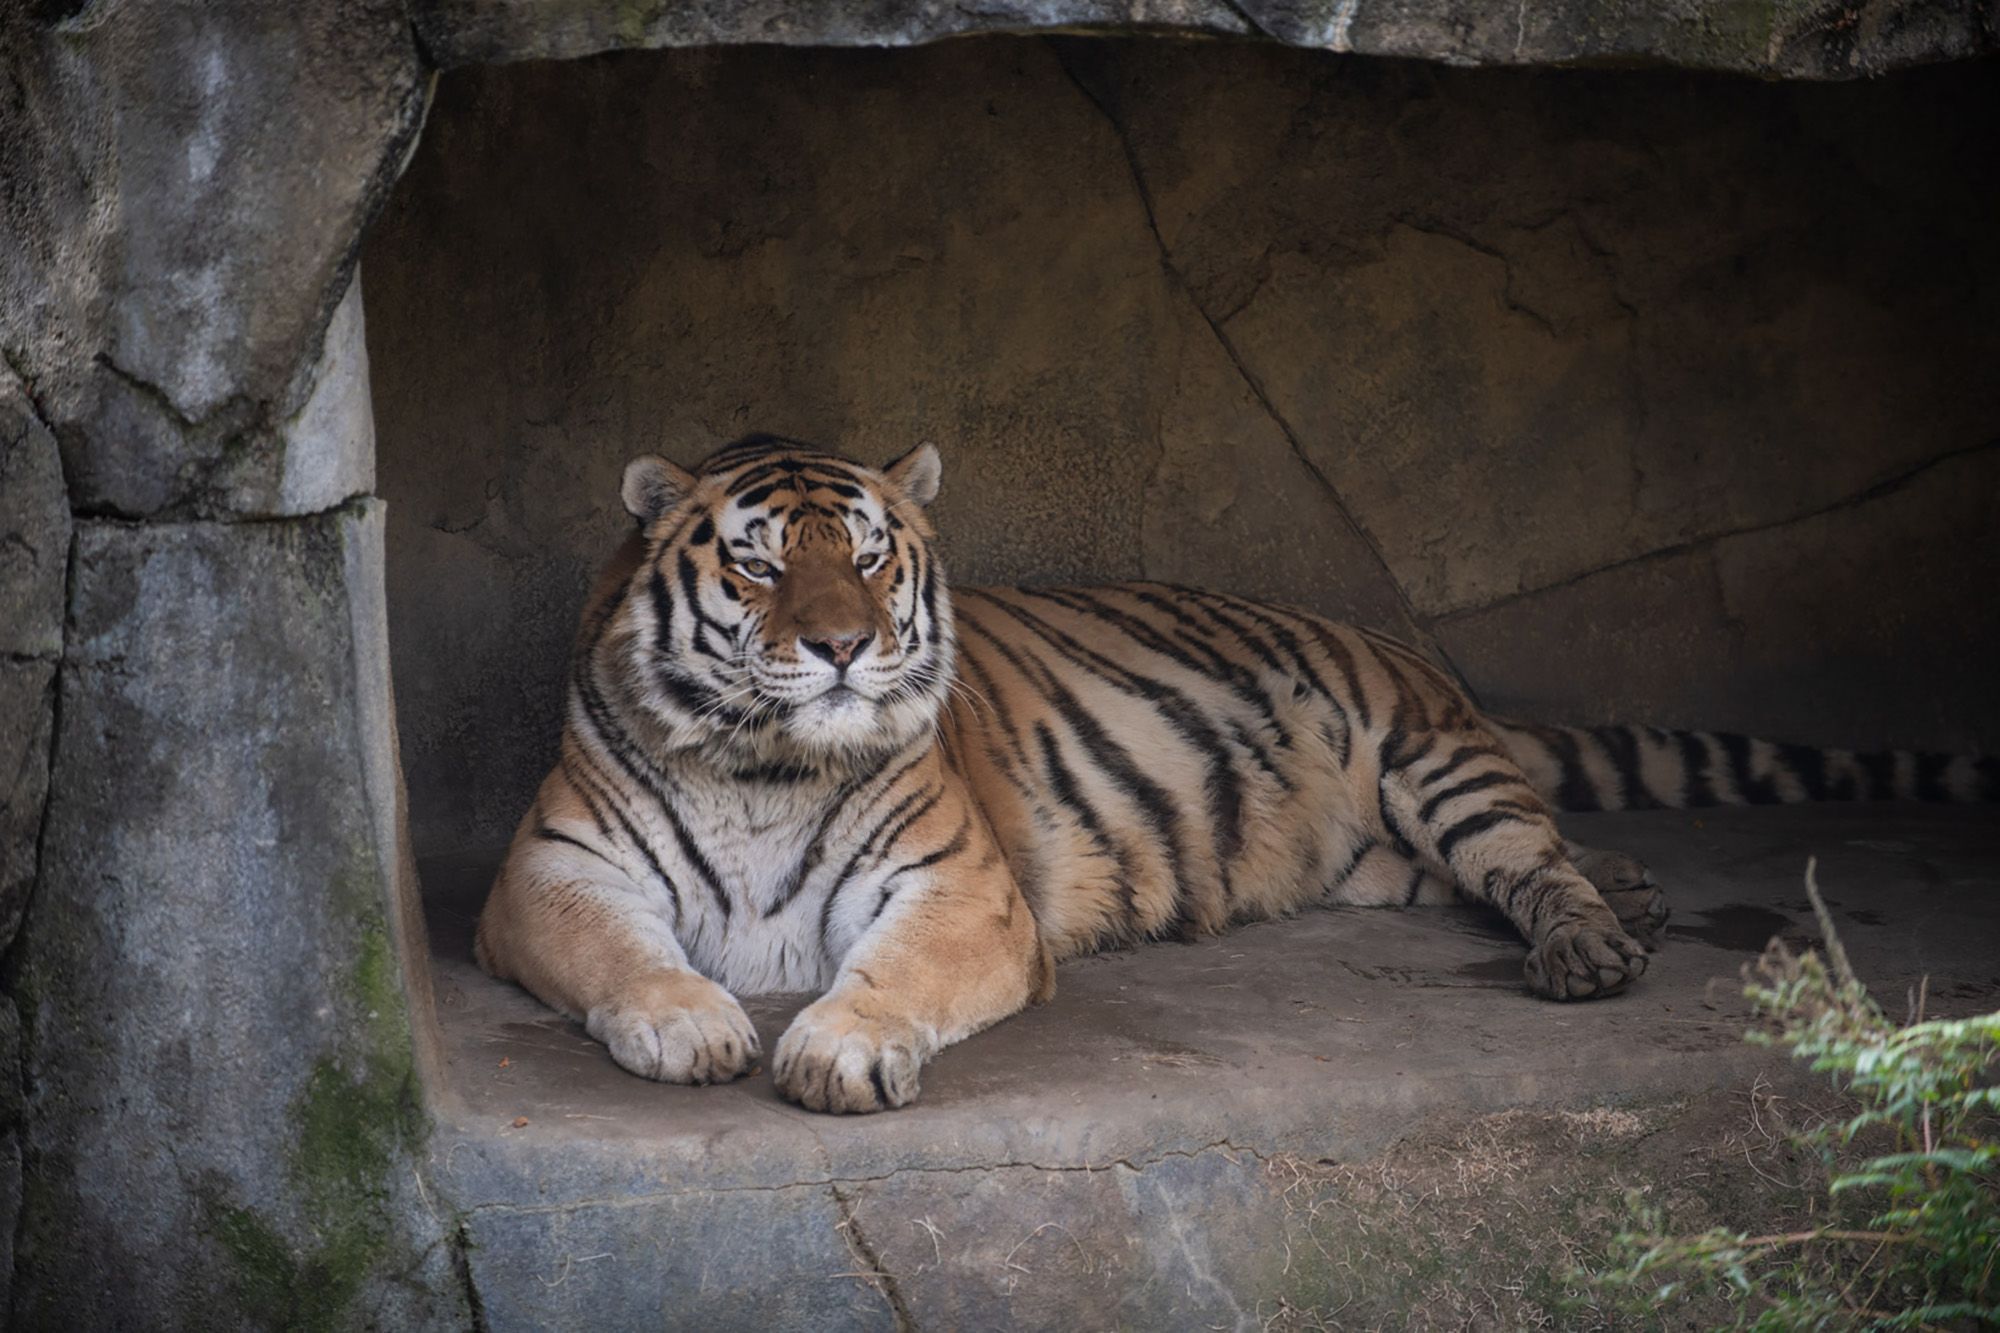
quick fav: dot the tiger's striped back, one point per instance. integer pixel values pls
(1158, 759)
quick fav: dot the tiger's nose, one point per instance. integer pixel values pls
(839, 649)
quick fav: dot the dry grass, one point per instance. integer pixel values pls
(1489, 1224)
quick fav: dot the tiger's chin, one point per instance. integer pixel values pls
(845, 722)
(840, 720)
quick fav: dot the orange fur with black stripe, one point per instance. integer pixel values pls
(795, 759)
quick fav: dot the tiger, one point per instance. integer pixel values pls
(794, 759)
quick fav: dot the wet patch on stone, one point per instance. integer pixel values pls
(1967, 990)
(1740, 927)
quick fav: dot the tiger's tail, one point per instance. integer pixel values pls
(1651, 768)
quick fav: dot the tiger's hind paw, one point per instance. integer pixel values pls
(1628, 889)
(1641, 910)
(1584, 962)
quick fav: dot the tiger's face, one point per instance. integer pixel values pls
(795, 603)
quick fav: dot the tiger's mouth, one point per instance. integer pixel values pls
(839, 718)
(845, 690)
(855, 713)
(841, 696)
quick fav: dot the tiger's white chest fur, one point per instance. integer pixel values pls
(750, 910)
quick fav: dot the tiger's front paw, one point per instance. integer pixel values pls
(1584, 960)
(834, 1059)
(677, 1027)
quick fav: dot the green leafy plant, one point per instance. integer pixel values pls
(1909, 1235)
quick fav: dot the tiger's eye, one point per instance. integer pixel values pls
(867, 562)
(756, 569)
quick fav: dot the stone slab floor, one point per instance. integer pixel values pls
(1350, 1119)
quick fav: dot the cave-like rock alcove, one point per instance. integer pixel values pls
(1639, 392)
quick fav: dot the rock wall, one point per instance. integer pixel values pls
(211, 1109)
(1656, 397)
(1783, 38)
(232, 1112)
(34, 553)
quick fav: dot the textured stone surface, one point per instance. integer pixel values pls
(10, 1194)
(1790, 38)
(224, 1111)
(10, 1139)
(727, 1259)
(27, 707)
(193, 180)
(1182, 309)
(34, 529)
(1189, 1133)
(1528, 325)
(328, 445)
(34, 554)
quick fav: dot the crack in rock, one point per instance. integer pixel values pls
(1878, 490)
(874, 1272)
(347, 505)
(1418, 625)
(1508, 300)
(159, 397)
(1222, 1147)
(28, 394)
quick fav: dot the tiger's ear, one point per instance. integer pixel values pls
(652, 486)
(917, 473)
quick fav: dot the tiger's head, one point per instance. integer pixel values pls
(788, 601)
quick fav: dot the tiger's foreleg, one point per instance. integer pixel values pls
(567, 924)
(1480, 823)
(942, 945)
